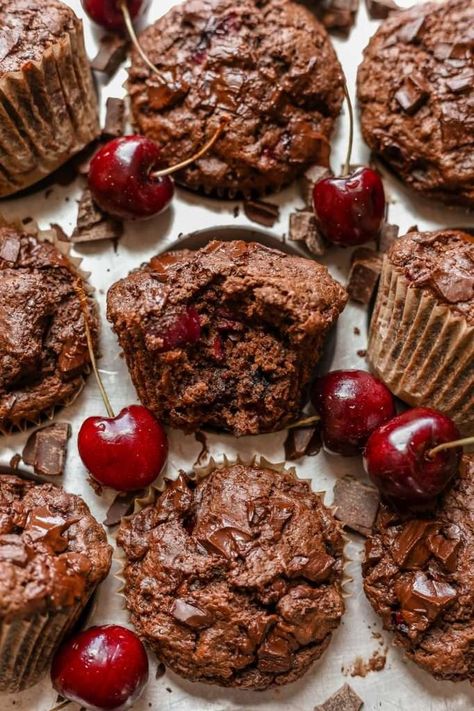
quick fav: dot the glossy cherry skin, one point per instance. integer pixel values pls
(121, 180)
(102, 668)
(126, 452)
(397, 455)
(350, 209)
(107, 13)
(352, 404)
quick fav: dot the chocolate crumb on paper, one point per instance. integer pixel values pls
(94, 225)
(375, 663)
(46, 449)
(261, 212)
(356, 505)
(344, 699)
(112, 52)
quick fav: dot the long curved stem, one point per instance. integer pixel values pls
(133, 36)
(188, 161)
(451, 445)
(90, 344)
(347, 165)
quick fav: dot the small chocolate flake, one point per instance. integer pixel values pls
(381, 9)
(361, 353)
(356, 505)
(356, 331)
(413, 228)
(160, 671)
(112, 52)
(114, 118)
(344, 699)
(46, 449)
(263, 213)
(302, 442)
(364, 275)
(121, 506)
(93, 224)
(236, 211)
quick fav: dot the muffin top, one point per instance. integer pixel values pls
(235, 580)
(28, 28)
(415, 97)
(52, 550)
(43, 348)
(419, 576)
(265, 66)
(442, 262)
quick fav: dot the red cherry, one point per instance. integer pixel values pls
(397, 456)
(350, 209)
(126, 452)
(122, 182)
(352, 404)
(102, 668)
(107, 13)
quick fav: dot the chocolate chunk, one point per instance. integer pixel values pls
(303, 228)
(411, 31)
(339, 15)
(460, 83)
(381, 9)
(312, 176)
(93, 224)
(112, 52)
(9, 248)
(364, 275)
(264, 213)
(121, 506)
(302, 442)
(356, 505)
(114, 118)
(344, 699)
(413, 93)
(190, 614)
(387, 237)
(46, 449)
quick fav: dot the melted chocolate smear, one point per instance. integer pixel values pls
(344, 699)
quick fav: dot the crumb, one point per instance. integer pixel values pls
(170, 691)
(356, 331)
(236, 211)
(362, 353)
(361, 668)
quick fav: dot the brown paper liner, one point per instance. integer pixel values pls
(48, 112)
(75, 263)
(422, 350)
(27, 646)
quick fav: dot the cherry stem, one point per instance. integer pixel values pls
(347, 164)
(90, 345)
(451, 445)
(207, 146)
(133, 36)
(304, 423)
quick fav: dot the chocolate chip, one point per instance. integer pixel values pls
(364, 275)
(303, 228)
(380, 9)
(114, 118)
(302, 442)
(121, 506)
(93, 224)
(356, 505)
(344, 699)
(413, 93)
(112, 52)
(460, 83)
(264, 213)
(46, 449)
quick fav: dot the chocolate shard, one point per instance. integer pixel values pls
(338, 15)
(381, 9)
(303, 228)
(460, 83)
(93, 224)
(364, 275)
(264, 213)
(356, 505)
(387, 237)
(114, 118)
(121, 506)
(112, 52)
(46, 449)
(344, 699)
(302, 442)
(411, 32)
(413, 93)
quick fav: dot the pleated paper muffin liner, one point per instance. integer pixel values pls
(201, 472)
(422, 350)
(75, 267)
(28, 644)
(48, 112)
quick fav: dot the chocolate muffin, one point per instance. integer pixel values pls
(421, 339)
(265, 67)
(43, 348)
(235, 580)
(419, 577)
(53, 554)
(48, 105)
(227, 336)
(415, 97)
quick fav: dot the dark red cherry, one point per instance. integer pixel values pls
(122, 182)
(352, 404)
(183, 329)
(102, 668)
(397, 456)
(350, 209)
(107, 13)
(126, 452)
